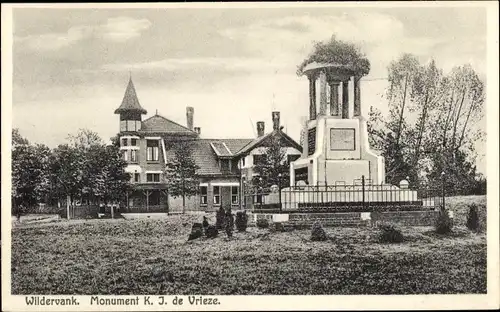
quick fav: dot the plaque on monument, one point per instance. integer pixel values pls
(342, 139)
(311, 141)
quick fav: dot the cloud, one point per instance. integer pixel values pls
(118, 29)
(382, 37)
(224, 64)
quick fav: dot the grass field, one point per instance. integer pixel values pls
(152, 256)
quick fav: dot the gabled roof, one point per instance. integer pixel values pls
(258, 142)
(130, 101)
(160, 124)
(205, 156)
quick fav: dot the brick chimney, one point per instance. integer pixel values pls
(260, 128)
(276, 120)
(189, 117)
(197, 130)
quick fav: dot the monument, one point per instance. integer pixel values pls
(336, 149)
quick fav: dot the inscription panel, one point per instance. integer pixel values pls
(311, 141)
(342, 139)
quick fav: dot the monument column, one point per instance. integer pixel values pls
(345, 99)
(322, 94)
(334, 98)
(312, 97)
(357, 97)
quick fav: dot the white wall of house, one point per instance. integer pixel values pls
(261, 151)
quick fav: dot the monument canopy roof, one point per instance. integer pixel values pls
(315, 66)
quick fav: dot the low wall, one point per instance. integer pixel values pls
(412, 218)
(408, 218)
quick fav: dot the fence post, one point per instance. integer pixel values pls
(279, 190)
(443, 190)
(68, 198)
(363, 191)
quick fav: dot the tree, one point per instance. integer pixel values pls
(339, 52)
(274, 168)
(30, 172)
(180, 173)
(67, 172)
(428, 128)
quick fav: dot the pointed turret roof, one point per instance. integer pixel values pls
(130, 101)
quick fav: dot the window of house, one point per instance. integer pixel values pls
(125, 155)
(292, 158)
(258, 199)
(137, 177)
(234, 195)
(224, 164)
(133, 155)
(203, 195)
(259, 159)
(216, 191)
(133, 142)
(243, 162)
(152, 148)
(124, 142)
(153, 177)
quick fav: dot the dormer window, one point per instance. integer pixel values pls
(124, 142)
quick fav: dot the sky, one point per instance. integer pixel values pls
(234, 66)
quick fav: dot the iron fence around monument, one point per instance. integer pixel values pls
(357, 197)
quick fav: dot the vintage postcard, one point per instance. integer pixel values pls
(250, 156)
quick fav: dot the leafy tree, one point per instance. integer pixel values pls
(180, 173)
(274, 163)
(30, 170)
(339, 52)
(67, 172)
(428, 128)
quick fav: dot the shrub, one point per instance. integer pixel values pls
(278, 226)
(473, 218)
(444, 223)
(211, 231)
(262, 223)
(318, 233)
(196, 231)
(390, 234)
(219, 218)
(229, 223)
(241, 221)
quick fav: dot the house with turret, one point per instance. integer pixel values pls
(224, 164)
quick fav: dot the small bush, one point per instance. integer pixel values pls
(219, 218)
(211, 231)
(390, 234)
(229, 223)
(318, 233)
(241, 221)
(278, 226)
(262, 223)
(444, 223)
(196, 231)
(473, 218)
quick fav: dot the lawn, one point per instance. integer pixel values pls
(152, 256)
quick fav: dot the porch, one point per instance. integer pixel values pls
(146, 198)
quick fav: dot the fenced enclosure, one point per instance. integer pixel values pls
(360, 197)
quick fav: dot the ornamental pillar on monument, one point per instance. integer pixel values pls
(322, 93)
(357, 96)
(345, 99)
(312, 96)
(334, 97)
